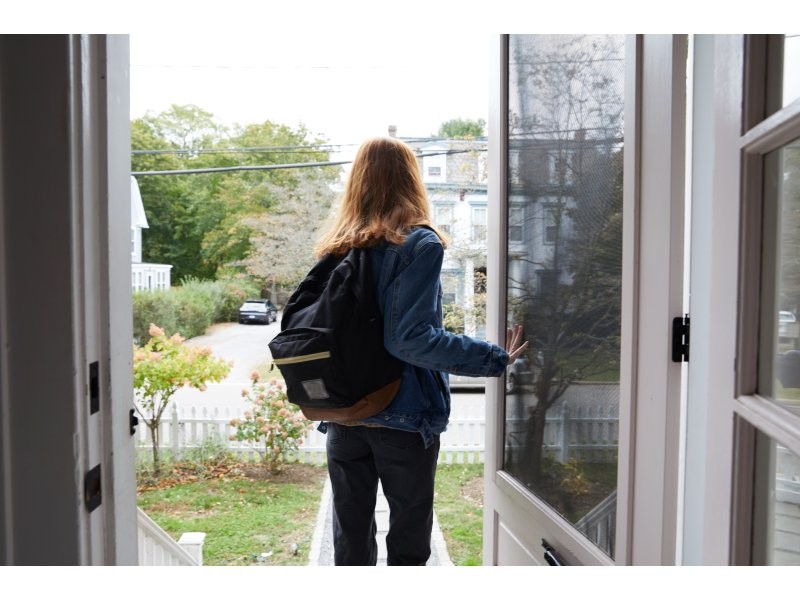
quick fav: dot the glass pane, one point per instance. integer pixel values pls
(783, 71)
(777, 508)
(564, 272)
(791, 68)
(781, 290)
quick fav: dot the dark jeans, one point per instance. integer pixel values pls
(358, 457)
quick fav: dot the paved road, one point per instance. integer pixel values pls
(246, 346)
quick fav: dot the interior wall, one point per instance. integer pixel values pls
(42, 487)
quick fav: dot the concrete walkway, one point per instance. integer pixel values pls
(322, 542)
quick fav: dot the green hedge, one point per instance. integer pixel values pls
(189, 309)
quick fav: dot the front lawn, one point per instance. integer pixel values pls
(252, 519)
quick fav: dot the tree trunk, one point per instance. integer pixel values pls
(534, 442)
(154, 438)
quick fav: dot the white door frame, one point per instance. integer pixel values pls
(65, 301)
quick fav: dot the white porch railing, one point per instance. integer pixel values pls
(157, 548)
(600, 523)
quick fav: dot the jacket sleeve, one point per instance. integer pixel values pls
(413, 330)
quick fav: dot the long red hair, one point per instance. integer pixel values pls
(384, 197)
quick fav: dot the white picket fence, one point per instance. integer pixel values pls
(586, 433)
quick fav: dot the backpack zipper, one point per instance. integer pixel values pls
(303, 358)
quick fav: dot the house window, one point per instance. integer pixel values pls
(449, 288)
(513, 167)
(516, 217)
(444, 218)
(546, 282)
(560, 167)
(478, 223)
(551, 221)
(434, 171)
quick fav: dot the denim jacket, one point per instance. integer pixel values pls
(408, 288)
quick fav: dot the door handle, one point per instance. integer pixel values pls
(551, 556)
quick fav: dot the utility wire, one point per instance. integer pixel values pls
(262, 149)
(243, 168)
(281, 166)
(270, 149)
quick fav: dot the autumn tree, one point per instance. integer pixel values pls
(284, 237)
(160, 368)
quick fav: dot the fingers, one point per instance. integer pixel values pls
(515, 353)
(513, 336)
(514, 345)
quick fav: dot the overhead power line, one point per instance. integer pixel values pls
(280, 166)
(261, 149)
(299, 149)
(244, 168)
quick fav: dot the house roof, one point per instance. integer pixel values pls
(138, 218)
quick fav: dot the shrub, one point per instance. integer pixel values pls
(273, 426)
(453, 318)
(189, 309)
(235, 292)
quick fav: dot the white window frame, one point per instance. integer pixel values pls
(479, 224)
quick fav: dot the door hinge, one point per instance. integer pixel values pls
(680, 339)
(133, 421)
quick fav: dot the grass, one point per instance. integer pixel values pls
(252, 520)
(248, 519)
(459, 508)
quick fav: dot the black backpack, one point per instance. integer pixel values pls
(330, 349)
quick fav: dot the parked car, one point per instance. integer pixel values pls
(518, 374)
(258, 310)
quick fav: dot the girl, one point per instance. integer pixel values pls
(385, 209)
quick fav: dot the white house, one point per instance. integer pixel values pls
(144, 276)
(454, 172)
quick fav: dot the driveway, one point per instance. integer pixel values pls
(246, 346)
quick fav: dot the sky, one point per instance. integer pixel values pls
(341, 86)
(346, 69)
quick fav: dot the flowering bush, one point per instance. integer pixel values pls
(273, 426)
(160, 368)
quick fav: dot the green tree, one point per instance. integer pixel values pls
(202, 224)
(186, 127)
(180, 208)
(462, 128)
(160, 368)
